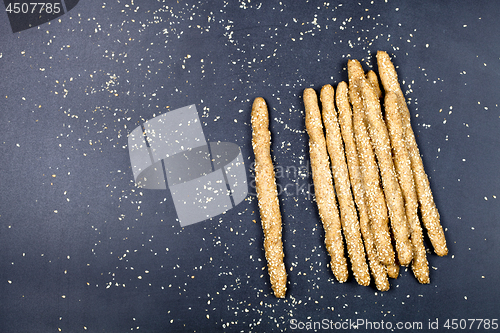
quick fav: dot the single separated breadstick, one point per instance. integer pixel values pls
(377, 269)
(419, 266)
(348, 215)
(323, 186)
(267, 196)
(430, 214)
(377, 208)
(393, 196)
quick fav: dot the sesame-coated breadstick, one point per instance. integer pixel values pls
(348, 215)
(394, 198)
(419, 266)
(430, 214)
(371, 76)
(267, 196)
(378, 270)
(377, 208)
(323, 186)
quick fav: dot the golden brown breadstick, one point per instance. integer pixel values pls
(267, 196)
(323, 186)
(372, 77)
(394, 198)
(377, 208)
(377, 269)
(348, 215)
(402, 164)
(392, 270)
(430, 214)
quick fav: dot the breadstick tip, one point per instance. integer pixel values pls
(382, 53)
(309, 92)
(327, 87)
(258, 101)
(353, 62)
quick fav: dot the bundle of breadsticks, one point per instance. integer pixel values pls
(377, 175)
(370, 185)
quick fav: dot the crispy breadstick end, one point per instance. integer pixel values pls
(393, 271)
(393, 196)
(402, 164)
(348, 215)
(377, 208)
(429, 212)
(377, 269)
(267, 196)
(323, 186)
(372, 77)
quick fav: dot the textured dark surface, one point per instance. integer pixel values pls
(83, 249)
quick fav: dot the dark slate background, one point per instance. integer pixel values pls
(83, 250)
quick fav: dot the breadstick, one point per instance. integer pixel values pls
(392, 270)
(394, 198)
(377, 208)
(348, 215)
(372, 77)
(323, 186)
(430, 214)
(267, 196)
(377, 269)
(419, 266)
